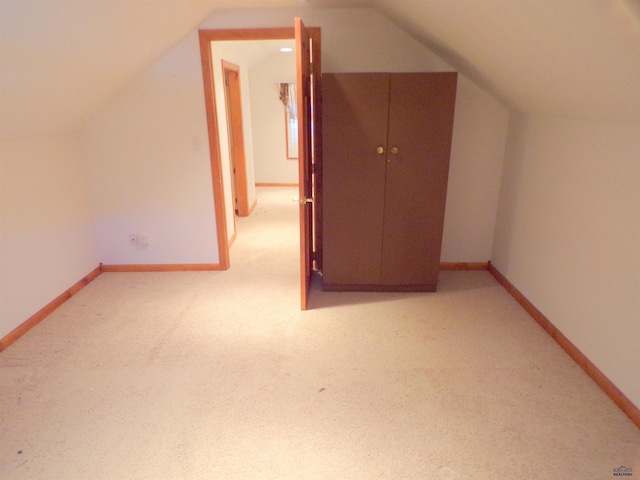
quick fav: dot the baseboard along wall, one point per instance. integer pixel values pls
(45, 311)
(169, 267)
(464, 265)
(275, 184)
(607, 386)
(613, 392)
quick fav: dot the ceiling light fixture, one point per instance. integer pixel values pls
(286, 49)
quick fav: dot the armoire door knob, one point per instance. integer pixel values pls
(380, 150)
(394, 150)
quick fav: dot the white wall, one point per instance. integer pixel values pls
(46, 244)
(268, 120)
(477, 157)
(148, 158)
(148, 165)
(568, 234)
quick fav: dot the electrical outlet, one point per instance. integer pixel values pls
(143, 240)
(133, 239)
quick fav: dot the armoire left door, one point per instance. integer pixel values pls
(355, 114)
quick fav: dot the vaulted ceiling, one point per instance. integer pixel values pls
(61, 60)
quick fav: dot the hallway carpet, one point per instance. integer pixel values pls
(219, 375)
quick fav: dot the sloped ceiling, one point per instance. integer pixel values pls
(61, 60)
(576, 58)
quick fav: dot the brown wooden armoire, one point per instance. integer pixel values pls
(386, 148)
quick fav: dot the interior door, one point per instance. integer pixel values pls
(233, 99)
(305, 158)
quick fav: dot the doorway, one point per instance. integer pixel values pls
(307, 47)
(221, 187)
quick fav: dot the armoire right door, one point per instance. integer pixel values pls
(386, 145)
(421, 107)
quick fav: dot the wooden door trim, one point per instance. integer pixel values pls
(237, 131)
(205, 39)
(214, 149)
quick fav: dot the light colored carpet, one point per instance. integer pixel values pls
(219, 375)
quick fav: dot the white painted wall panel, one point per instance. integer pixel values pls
(46, 245)
(477, 155)
(568, 234)
(147, 157)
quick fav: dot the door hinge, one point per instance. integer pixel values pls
(312, 68)
(314, 256)
(314, 169)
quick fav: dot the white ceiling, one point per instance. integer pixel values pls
(256, 51)
(61, 60)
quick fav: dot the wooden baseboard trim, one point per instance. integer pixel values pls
(464, 265)
(170, 267)
(232, 239)
(613, 392)
(249, 210)
(276, 184)
(32, 321)
(253, 206)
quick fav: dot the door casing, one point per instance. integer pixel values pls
(205, 39)
(233, 97)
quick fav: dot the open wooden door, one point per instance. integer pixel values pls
(233, 107)
(305, 154)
